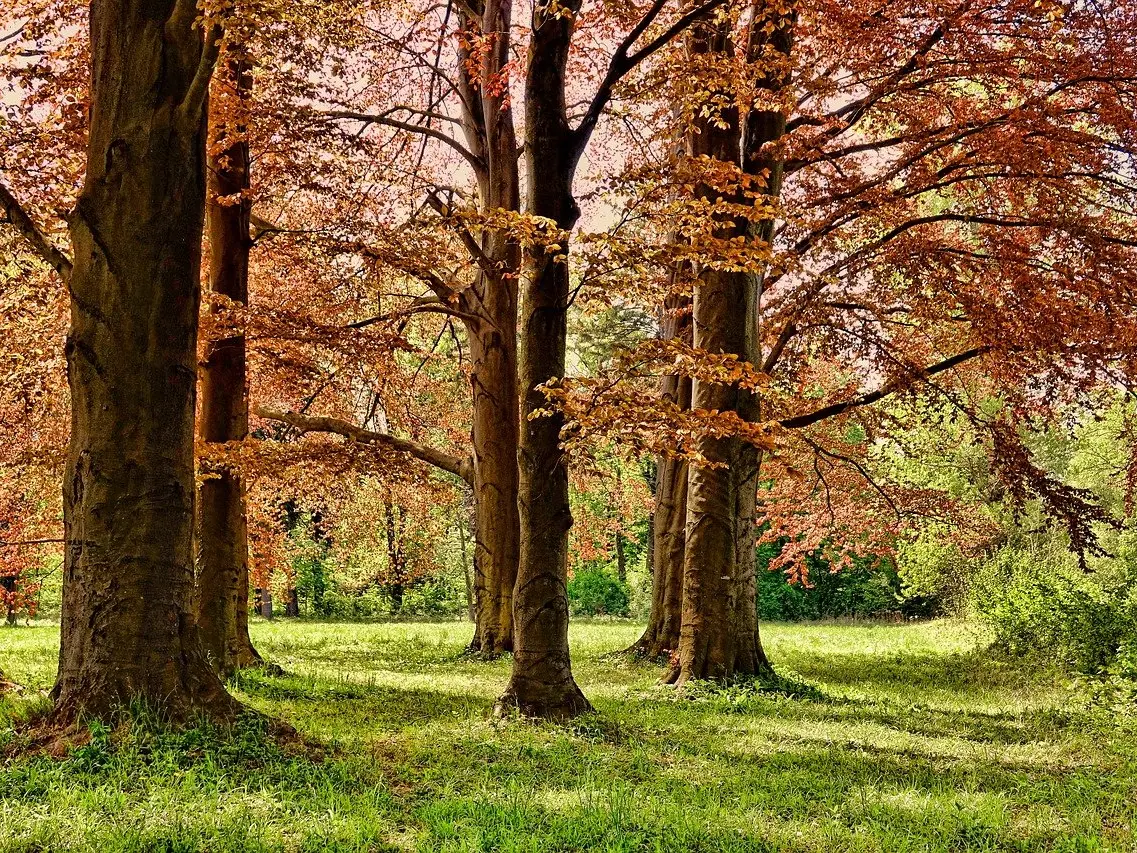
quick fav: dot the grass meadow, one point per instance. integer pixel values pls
(900, 738)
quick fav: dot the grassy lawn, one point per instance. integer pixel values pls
(917, 741)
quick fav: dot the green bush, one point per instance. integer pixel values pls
(434, 596)
(594, 592)
(865, 590)
(1038, 602)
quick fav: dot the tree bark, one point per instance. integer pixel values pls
(719, 638)
(127, 627)
(221, 601)
(491, 304)
(467, 568)
(661, 637)
(541, 683)
(494, 436)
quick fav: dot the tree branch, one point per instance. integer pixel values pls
(623, 62)
(194, 101)
(23, 223)
(462, 468)
(425, 130)
(32, 542)
(834, 409)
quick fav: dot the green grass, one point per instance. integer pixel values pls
(917, 741)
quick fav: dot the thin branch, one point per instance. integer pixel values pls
(462, 468)
(425, 130)
(834, 409)
(623, 62)
(23, 223)
(32, 542)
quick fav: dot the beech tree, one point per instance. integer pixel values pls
(53, 89)
(221, 599)
(951, 222)
(127, 629)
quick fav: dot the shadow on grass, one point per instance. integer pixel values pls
(912, 671)
(382, 705)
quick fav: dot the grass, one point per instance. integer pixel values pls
(914, 740)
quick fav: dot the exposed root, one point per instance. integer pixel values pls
(554, 704)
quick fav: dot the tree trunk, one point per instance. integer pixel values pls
(221, 601)
(495, 440)
(661, 637)
(719, 637)
(487, 121)
(541, 683)
(127, 628)
(8, 588)
(621, 560)
(292, 603)
(467, 568)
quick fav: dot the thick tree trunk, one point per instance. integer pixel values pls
(719, 638)
(222, 590)
(541, 683)
(661, 637)
(487, 121)
(127, 628)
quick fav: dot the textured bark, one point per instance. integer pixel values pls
(221, 600)
(541, 683)
(661, 637)
(491, 305)
(127, 626)
(719, 638)
(495, 437)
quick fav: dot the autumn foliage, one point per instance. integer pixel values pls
(815, 217)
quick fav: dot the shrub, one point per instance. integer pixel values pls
(866, 589)
(436, 596)
(594, 592)
(1039, 602)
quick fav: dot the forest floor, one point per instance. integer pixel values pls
(915, 739)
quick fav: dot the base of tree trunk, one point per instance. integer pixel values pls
(488, 645)
(476, 651)
(248, 657)
(542, 702)
(653, 647)
(193, 695)
(746, 666)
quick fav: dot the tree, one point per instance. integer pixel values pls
(221, 600)
(952, 223)
(127, 629)
(719, 627)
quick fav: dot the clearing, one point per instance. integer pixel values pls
(915, 739)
